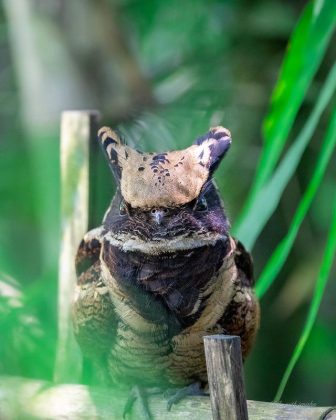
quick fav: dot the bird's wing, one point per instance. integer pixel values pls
(241, 316)
(94, 319)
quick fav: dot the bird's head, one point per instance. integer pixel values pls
(166, 195)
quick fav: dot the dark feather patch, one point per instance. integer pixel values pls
(172, 279)
(218, 151)
(203, 138)
(244, 262)
(87, 255)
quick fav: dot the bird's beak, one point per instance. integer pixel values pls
(158, 215)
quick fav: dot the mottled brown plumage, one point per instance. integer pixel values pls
(162, 271)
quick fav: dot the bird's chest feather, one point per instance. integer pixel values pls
(164, 285)
(158, 299)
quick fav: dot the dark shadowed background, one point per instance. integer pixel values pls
(164, 72)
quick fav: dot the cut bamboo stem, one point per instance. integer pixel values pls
(76, 134)
(225, 375)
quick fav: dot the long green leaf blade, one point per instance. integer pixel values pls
(280, 254)
(320, 286)
(305, 52)
(268, 197)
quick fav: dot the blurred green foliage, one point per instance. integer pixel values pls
(206, 63)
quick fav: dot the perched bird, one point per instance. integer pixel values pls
(162, 271)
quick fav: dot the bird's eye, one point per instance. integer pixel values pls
(202, 205)
(122, 208)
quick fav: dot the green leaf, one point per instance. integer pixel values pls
(280, 254)
(305, 52)
(268, 197)
(320, 286)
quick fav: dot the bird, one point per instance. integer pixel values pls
(162, 270)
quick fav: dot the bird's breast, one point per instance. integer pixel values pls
(175, 278)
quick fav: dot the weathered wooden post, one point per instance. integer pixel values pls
(77, 130)
(225, 374)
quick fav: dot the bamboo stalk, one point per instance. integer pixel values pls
(76, 133)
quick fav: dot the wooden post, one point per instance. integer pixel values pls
(225, 375)
(77, 128)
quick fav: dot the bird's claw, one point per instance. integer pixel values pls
(193, 389)
(137, 393)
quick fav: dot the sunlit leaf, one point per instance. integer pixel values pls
(305, 52)
(268, 197)
(321, 283)
(281, 252)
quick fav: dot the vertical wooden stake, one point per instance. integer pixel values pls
(226, 384)
(76, 132)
